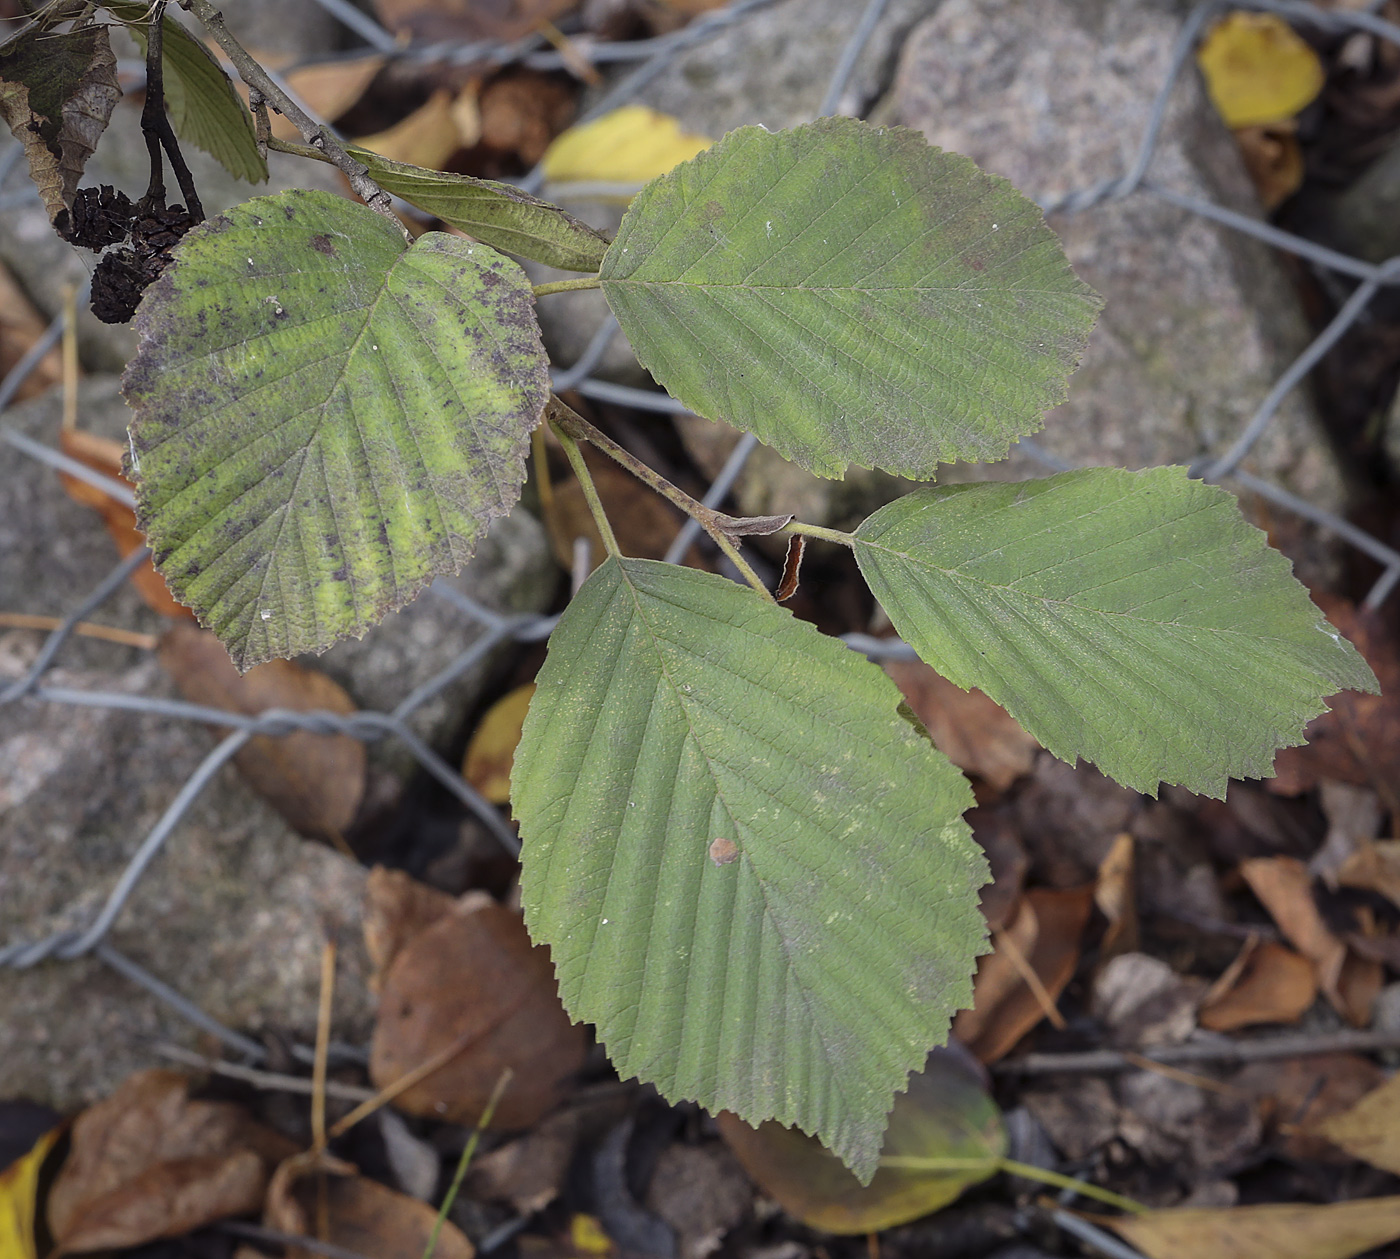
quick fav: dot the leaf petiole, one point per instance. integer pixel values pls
(819, 531)
(721, 528)
(567, 286)
(585, 480)
(1027, 1171)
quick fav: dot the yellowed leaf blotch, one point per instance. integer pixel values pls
(19, 1187)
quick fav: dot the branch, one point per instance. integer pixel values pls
(317, 136)
(722, 528)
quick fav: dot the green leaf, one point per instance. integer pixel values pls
(752, 873)
(945, 1134)
(1132, 618)
(325, 419)
(204, 108)
(499, 214)
(850, 295)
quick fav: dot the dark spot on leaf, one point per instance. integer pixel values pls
(321, 243)
(289, 212)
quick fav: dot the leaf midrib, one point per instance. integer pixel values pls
(802, 987)
(961, 576)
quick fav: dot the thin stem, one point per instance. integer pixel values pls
(469, 1151)
(323, 1041)
(1027, 1171)
(585, 480)
(818, 531)
(564, 418)
(155, 123)
(318, 137)
(567, 286)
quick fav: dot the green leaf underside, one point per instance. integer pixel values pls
(204, 107)
(498, 214)
(850, 294)
(325, 419)
(806, 976)
(1131, 618)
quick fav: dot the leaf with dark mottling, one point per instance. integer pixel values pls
(57, 92)
(325, 418)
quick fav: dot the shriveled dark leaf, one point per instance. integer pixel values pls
(57, 92)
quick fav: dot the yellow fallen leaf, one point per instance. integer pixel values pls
(1278, 1230)
(631, 145)
(491, 752)
(588, 1238)
(1258, 70)
(1370, 1129)
(19, 1186)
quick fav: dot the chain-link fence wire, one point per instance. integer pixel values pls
(654, 56)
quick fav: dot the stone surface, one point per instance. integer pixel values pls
(232, 914)
(53, 550)
(1199, 320)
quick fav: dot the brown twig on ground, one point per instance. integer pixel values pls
(108, 633)
(317, 136)
(1104, 1060)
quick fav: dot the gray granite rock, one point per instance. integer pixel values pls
(1199, 320)
(232, 914)
(773, 66)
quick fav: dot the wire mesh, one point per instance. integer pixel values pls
(653, 56)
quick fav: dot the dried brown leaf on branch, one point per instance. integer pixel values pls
(314, 780)
(1294, 1094)
(473, 979)
(57, 93)
(364, 1216)
(969, 729)
(147, 1162)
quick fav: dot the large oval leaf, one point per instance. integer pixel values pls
(850, 295)
(1132, 618)
(325, 419)
(752, 873)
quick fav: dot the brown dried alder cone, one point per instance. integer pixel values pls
(122, 275)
